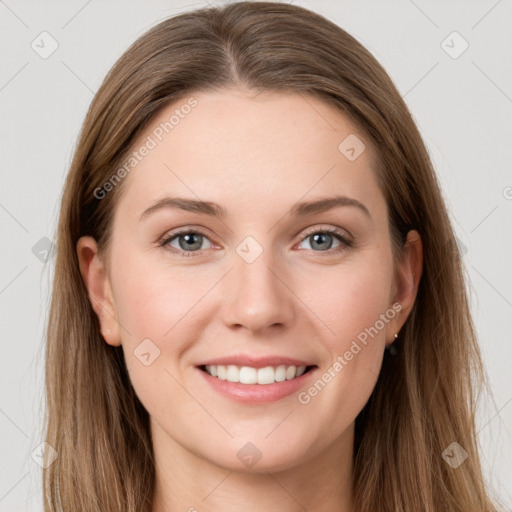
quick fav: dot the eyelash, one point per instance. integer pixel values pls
(345, 242)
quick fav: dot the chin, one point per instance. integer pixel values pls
(260, 457)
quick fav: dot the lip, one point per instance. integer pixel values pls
(255, 362)
(257, 393)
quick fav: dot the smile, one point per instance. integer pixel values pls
(251, 375)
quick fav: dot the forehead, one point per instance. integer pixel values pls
(237, 148)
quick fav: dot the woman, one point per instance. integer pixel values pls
(257, 300)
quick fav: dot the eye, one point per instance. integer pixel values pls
(322, 240)
(185, 242)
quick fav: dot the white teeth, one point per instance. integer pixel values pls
(249, 375)
(232, 373)
(265, 375)
(221, 372)
(290, 372)
(280, 375)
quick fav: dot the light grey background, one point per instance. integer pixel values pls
(462, 106)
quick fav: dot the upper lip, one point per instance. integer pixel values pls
(255, 362)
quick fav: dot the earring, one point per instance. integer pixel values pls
(392, 347)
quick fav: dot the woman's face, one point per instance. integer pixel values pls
(260, 277)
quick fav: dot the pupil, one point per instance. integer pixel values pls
(319, 239)
(189, 241)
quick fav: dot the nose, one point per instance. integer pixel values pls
(257, 296)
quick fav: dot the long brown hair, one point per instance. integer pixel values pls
(425, 396)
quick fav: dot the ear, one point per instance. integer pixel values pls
(97, 282)
(407, 278)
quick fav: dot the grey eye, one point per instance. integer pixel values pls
(321, 241)
(189, 241)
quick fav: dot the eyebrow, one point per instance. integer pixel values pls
(301, 209)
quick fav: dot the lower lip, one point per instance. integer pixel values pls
(257, 393)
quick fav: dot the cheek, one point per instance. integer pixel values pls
(356, 307)
(349, 298)
(166, 305)
(161, 304)
(154, 300)
(351, 303)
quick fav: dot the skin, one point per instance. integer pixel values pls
(256, 155)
